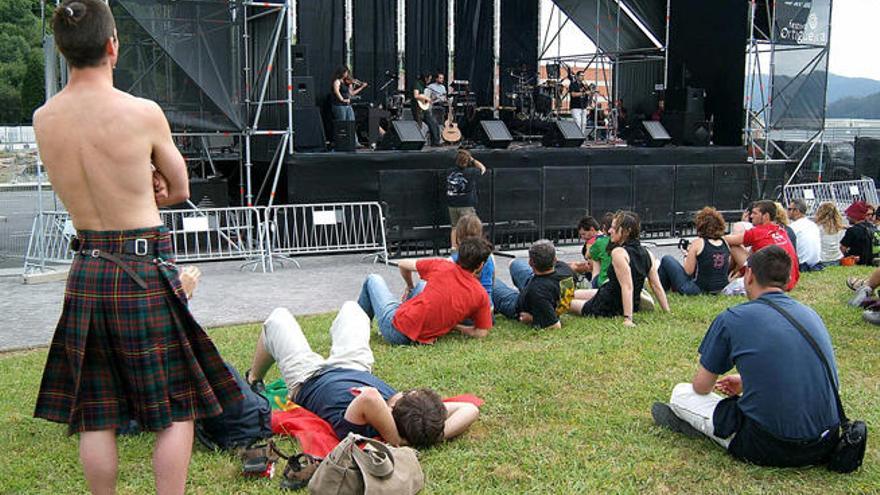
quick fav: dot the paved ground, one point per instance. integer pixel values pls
(226, 294)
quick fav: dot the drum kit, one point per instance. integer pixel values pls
(534, 101)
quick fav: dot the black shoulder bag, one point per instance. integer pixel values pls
(850, 449)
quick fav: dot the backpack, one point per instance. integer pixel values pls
(241, 424)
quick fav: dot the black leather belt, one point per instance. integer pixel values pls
(133, 249)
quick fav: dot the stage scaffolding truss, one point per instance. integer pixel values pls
(625, 35)
(786, 81)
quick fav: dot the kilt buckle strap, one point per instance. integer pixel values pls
(97, 253)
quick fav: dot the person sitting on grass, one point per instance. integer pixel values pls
(766, 232)
(544, 288)
(471, 227)
(865, 291)
(831, 231)
(858, 240)
(429, 311)
(342, 389)
(706, 261)
(588, 231)
(808, 238)
(631, 265)
(781, 408)
(599, 254)
(783, 221)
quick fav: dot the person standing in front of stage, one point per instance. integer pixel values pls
(342, 93)
(577, 101)
(461, 189)
(126, 346)
(421, 95)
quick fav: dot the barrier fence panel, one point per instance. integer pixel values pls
(215, 233)
(842, 194)
(49, 242)
(326, 228)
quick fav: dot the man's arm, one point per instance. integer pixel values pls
(369, 408)
(478, 165)
(704, 381)
(472, 331)
(407, 267)
(459, 417)
(735, 239)
(167, 159)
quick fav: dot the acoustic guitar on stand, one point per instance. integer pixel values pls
(451, 133)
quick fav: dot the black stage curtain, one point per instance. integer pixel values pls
(375, 45)
(474, 57)
(519, 41)
(321, 26)
(635, 87)
(705, 51)
(427, 47)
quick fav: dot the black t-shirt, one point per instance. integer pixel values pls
(859, 239)
(461, 186)
(576, 101)
(548, 296)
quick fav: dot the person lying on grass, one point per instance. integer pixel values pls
(431, 310)
(780, 409)
(544, 288)
(631, 266)
(342, 389)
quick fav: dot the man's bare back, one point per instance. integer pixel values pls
(97, 144)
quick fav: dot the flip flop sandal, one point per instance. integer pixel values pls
(299, 471)
(855, 283)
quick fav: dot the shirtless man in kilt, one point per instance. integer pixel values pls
(126, 346)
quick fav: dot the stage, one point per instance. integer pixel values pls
(529, 191)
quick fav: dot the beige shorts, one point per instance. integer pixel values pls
(456, 212)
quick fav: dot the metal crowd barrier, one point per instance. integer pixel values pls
(842, 193)
(325, 228)
(256, 234)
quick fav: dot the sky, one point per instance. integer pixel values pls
(853, 22)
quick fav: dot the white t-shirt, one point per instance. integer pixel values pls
(831, 245)
(809, 240)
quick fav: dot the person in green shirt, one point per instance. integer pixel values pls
(599, 252)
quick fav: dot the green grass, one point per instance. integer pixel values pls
(567, 411)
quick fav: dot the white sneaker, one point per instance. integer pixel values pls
(646, 302)
(861, 295)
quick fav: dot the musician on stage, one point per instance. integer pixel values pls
(439, 96)
(344, 88)
(421, 96)
(578, 101)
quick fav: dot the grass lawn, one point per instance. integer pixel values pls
(567, 411)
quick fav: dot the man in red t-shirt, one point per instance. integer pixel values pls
(766, 232)
(434, 309)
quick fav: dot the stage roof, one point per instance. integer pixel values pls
(651, 14)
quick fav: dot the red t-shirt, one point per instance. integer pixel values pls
(770, 234)
(451, 295)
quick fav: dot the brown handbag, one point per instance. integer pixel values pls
(378, 469)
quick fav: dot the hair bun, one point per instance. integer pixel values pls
(72, 12)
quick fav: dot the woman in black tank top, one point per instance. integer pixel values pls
(631, 266)
(707, 260)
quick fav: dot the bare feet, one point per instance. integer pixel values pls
(189, 280)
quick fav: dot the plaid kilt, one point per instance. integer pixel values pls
(121, 352)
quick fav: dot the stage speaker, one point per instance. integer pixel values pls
(206, 193)
(308, 130)
(403, 135)
(494, 134)
(344, 135)
(300, 60)
(657, 135)
(563, 134)
(303, 91)
(867, 157)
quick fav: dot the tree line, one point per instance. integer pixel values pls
(22, 89)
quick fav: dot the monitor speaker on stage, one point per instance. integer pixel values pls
(403, 135)
(657, 135)
(563, 134)
(303, 91)
(494, 134)
(300, 56)
(308, 130)
(344, 135)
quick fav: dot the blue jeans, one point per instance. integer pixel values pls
(377, 301)
(343, 112)
(504, 297)
(673, 277)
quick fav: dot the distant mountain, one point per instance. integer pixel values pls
(840, 87)
(864, 107)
